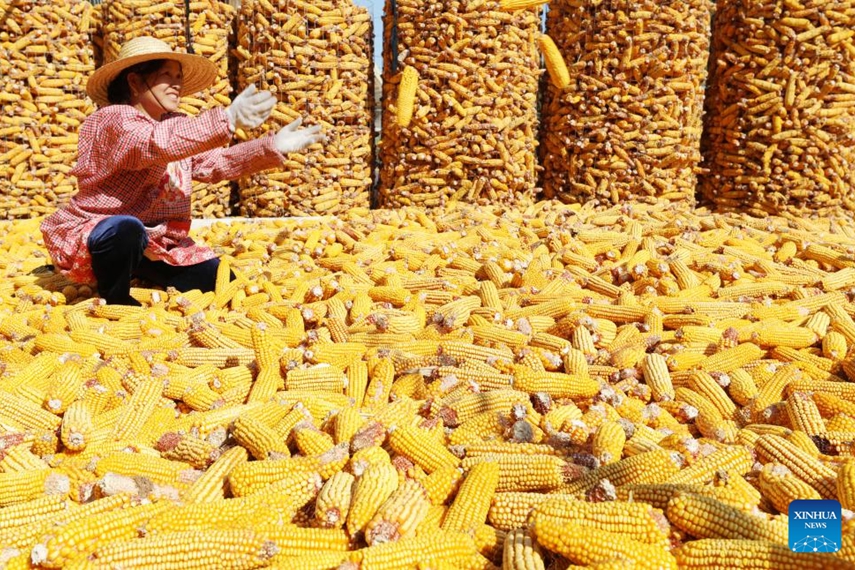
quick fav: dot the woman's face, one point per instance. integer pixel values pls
(157, 93)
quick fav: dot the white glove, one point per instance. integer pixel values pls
(250, 108)
(290, 138)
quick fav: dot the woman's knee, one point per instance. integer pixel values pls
(122, 232)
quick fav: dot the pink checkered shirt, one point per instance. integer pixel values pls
(130, 164)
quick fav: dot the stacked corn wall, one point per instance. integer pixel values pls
(473, 131)
(781, 108)
(316, 58)
(45, 59)
(628, 125)
(210, 24)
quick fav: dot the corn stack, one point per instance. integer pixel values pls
(210, 23)
(781, 109)
(45, 60)
(474, 121)
(316, 59)
(628, 123)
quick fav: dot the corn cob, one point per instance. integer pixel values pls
(473, 498)
(705, 517)
(589, 546)
(723, 553)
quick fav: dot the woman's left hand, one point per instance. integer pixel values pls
(291, 138)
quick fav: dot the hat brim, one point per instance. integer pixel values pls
(198, 73)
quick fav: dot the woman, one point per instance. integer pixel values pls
(136, 159)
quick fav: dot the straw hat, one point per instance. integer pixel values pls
(198, 71)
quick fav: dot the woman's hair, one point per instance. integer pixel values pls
(119, 91)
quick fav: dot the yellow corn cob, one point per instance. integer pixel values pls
(804, 414)
(370, 491)
(66, 386)
(321, 378)
(846, 485)
(656, 375)
(26, 536)
(38, 509)
(721, 554)
(154, 467)
(637, 521)
(333, 501)
(399, 516)
(607, 444)
(458, 408)
(705, 517)
(310, 440)
(19, 458)
(554, 61)
(76, 426)
(217, 515)
(26, 414)
(442, 484)
(728, 458)
(802, 465)
(195, 549)
(590, 546)
(781, 487)
(520, 552)
(426, 550)
(732, 358)
(650, 467)
(525, 472)
(23, 486)
(407, 95)
(473, 499)
(259, 439)
(705, 385)
(83, 536)
(317, 560)
(211, 485)
(742, 388)
(556, 384)
(834, 345)
(490, 542)
(138, 409)
(425, 452)
(192, 450)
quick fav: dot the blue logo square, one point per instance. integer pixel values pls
(815, 525)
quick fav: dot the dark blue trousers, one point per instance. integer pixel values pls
(117, 244)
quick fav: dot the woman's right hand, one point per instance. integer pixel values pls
(250, 108)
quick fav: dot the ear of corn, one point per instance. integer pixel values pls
(407, 88)
(473, 499)
(589, 546)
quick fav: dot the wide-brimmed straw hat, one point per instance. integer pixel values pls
(198, 71)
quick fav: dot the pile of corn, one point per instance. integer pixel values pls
(781, 108)
(459, 103)
(625, 124)
(316, 58)
(45, 59)
(643, 387)
(209, 24)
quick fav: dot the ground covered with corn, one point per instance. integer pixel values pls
(645, 386)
